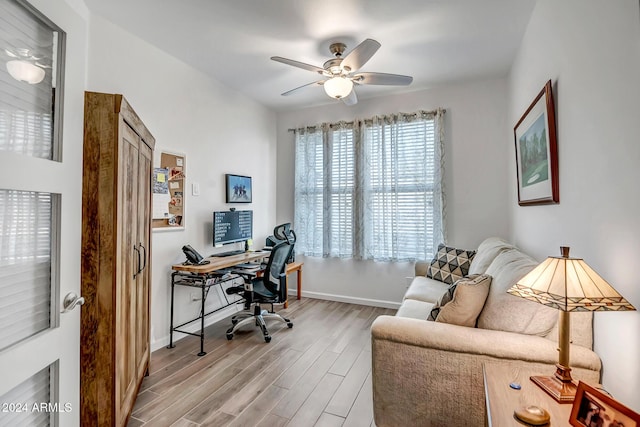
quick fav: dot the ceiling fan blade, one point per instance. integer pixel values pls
(289, 92)
(360, 55)
(350, 99)
(298, 64)
(382, 79)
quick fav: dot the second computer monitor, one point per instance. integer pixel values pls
(232, 227)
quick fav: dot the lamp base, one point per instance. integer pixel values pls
(559, 386)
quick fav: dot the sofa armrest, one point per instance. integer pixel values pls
(460, 339)
(430, 373)
(420, 268)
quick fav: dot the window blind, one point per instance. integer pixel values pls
(25, 264)
(27, 110)
(401, 159)
(23, 397)
(382, 193)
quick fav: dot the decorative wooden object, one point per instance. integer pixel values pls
(504, 402)
(116, 259)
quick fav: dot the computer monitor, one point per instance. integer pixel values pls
(232, 227)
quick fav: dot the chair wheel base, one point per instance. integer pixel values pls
(229, 336)
(290, 325)
(267, 338)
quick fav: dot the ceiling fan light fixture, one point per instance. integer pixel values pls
(338, 87)
(25, 71)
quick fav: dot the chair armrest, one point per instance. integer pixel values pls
(246, 275)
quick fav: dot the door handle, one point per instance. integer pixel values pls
(135, 248)
(144, 258)
(71, 301)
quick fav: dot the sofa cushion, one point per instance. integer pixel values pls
(505, 312)
(487, 252)
(414, 309)
(425, 289)
(469, 296)
(450, 264)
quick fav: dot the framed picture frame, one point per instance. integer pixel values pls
(593, 407)
(238, 189)
(537, 152)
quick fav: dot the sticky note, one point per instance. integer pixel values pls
(161, 177)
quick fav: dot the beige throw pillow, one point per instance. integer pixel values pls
(462, 303)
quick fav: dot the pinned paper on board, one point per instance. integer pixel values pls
(161, 206)
(176, 173)
(160, 181)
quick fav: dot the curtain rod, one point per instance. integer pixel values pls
(342, 123)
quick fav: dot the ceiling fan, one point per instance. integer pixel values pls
(341, 73)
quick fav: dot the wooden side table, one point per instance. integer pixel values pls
(502, 400)
(294, 266)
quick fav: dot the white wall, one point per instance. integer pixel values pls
(591, 51)
(476, 155)
(219, 131)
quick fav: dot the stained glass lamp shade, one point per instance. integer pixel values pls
(567, 284)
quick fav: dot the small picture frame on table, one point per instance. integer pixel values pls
(537, 152)
(593, 407)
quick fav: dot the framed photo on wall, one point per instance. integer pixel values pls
(238, 188)
(592, 407)
(537, 152)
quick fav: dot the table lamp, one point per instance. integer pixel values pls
(566, 284)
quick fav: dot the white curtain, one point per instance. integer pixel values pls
(371, 189)
(309, 187)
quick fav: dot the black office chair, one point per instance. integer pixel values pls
(270, 288)
(283, 232)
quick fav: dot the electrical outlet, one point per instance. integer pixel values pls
(195, 296)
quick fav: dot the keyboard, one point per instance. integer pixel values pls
(230, 253)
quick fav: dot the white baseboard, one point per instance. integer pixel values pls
(351, 300)
(194, 327)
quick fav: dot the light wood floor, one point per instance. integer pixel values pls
(316, 374)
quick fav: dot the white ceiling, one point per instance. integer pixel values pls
(435, 41)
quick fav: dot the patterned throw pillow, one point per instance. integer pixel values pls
(463, 301)
(442, 301)
(450, 264)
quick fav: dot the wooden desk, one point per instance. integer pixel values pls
(502, 400)
(294, 266)
(203, 277)
(218, 263)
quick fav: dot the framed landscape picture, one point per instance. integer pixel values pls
(537, 152)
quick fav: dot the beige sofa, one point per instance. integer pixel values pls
(429, 373)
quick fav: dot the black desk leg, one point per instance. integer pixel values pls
(173, 286)
(202, 352)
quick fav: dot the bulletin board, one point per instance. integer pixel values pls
(169, 192)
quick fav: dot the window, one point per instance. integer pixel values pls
(370, 189)
(32, 51)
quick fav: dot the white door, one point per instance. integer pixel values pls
(40, 211)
